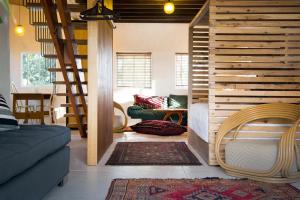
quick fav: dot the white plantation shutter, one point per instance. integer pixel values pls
(182, 69)
(134, 70)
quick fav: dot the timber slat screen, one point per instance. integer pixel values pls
(199, 63)
(254, 59)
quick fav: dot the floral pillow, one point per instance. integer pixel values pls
(148, 102)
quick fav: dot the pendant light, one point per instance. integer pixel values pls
(19, 29)
(169, 7)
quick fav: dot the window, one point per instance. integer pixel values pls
(182, 69)
(35, 70)
(134, 70)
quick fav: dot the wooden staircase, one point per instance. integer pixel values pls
(55, 29)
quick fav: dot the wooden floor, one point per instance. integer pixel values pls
(92, 183)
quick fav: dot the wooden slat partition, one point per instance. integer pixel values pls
(254, 59)
(199, 36)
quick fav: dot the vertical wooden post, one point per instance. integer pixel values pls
(42, 109)
(190, 89)
(100, 99)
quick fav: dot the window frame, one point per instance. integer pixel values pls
(175, 66)
(134, 54)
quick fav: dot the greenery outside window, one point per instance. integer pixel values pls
(35, 70)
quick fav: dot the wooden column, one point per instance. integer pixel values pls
(100, 88)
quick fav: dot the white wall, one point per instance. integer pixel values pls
(163, 41)
(4, 54)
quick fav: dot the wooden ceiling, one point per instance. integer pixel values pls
(151, 11)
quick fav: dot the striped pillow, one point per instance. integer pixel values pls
(7, 120)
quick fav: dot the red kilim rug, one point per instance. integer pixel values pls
(199, 189)
(152, 153)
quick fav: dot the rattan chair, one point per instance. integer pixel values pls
(288, 152)
(120, 128)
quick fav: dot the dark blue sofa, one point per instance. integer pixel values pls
(33, 160)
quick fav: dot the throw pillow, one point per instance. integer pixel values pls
(7, 120)
(158, 127)
(178, 101)
(148, 102)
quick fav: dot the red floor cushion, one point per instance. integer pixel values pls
(158, 127)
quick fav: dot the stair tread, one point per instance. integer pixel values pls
(71, 82)
(74, 94)
(73, 115)
(55, 56)
(68, 70)
(77, 41)
(70, 105)
(73, 125)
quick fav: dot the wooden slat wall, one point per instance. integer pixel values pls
(254, 59)
(198, 72)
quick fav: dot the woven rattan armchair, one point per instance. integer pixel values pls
(124, 125)
(288, 152)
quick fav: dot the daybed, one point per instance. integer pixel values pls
(140, 111)
(33, 160)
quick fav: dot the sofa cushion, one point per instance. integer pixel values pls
(148, 102)
(158, 127)
(23, 148)
(7, 120)
(178, 101)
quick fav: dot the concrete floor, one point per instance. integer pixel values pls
(92, 183)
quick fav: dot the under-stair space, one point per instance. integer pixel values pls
(63, 39)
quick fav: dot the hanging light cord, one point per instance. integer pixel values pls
(19, 12)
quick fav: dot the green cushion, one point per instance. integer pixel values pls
(178, 101)
(134, 111)
(137, 112)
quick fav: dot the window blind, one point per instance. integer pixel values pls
(182, 69)
(134, 70)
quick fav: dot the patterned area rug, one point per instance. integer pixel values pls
(199, 189)
(152, 153)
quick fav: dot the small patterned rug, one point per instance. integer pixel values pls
(152, 153)
(199, 189)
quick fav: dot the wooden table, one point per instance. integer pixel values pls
(170, 111)
(27, 114)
